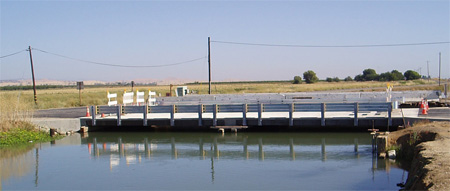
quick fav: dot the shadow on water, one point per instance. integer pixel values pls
(16, 162)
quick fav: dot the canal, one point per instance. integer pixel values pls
(200, 161)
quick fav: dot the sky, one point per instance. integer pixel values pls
(79, 40)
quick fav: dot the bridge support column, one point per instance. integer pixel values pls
(93, 116)
(145, 114)
(172, 116)
(244, 114)
(291, 114)
(260, 110)
(323, 108)
(215, 115)
(119, 115)
(355, 111)
(389, 115)
(200, 115)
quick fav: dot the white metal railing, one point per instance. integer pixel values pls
(323, 108)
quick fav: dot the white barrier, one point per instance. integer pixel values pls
(128, 97)
(140, 97)
(151, 98)
(112, 99)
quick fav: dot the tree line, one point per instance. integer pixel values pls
(367, 75)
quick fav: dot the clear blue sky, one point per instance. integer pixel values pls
(160, 32)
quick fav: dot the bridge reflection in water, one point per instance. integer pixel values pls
(133, 148)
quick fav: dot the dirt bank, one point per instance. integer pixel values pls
(427, 146)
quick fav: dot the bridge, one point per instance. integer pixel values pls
(380, 115)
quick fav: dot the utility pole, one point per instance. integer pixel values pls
(428, 71)
(209, 63)
(32, 75)
(439, 68)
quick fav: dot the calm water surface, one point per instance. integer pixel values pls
(181, 161)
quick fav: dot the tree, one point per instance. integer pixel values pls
(297, 80)
(396, 75)
(329, 79)
(348, 79)
(387, 76)
(359, 78)
(310, 77)
(370, 75)
(411, 75)
(336, 79)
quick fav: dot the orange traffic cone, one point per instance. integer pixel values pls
(88, 114)
(103, 115)
(424, 110)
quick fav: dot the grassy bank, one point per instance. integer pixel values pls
(23, 133)
(69, 97)
(15, 128)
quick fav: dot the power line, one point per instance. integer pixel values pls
(118, 65)
(331, 46)
(12, 54)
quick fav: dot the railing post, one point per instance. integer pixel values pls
(323, 108)
(145, 114)
(244, 114)
(260, 110)
(172, 115)
(390, 114)
(119, 115)
(291, 114)
(200, 115)
(355, 111)
(215, 115)
(94, 121)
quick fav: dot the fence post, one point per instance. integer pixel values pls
(291, 114)
(145, 114)
(200, 114)
(119, 115)
(355, 111)
(172, 115)
(215, 115)
(94, 122)
(260, 110)
(244, 114)
(323, 108)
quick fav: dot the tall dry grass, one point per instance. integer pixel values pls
(15, 109)
(69, 97)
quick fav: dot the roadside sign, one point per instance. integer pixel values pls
(80, 85)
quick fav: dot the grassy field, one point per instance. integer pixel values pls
(22, 100)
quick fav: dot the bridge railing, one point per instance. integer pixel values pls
(201, 109)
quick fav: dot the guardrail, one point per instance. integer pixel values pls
(201, 109)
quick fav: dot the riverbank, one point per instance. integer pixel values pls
(21, 133)
(426, 145)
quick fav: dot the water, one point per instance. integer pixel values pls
(201, 161)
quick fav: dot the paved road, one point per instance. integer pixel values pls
(439, 112)
(74, 112)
